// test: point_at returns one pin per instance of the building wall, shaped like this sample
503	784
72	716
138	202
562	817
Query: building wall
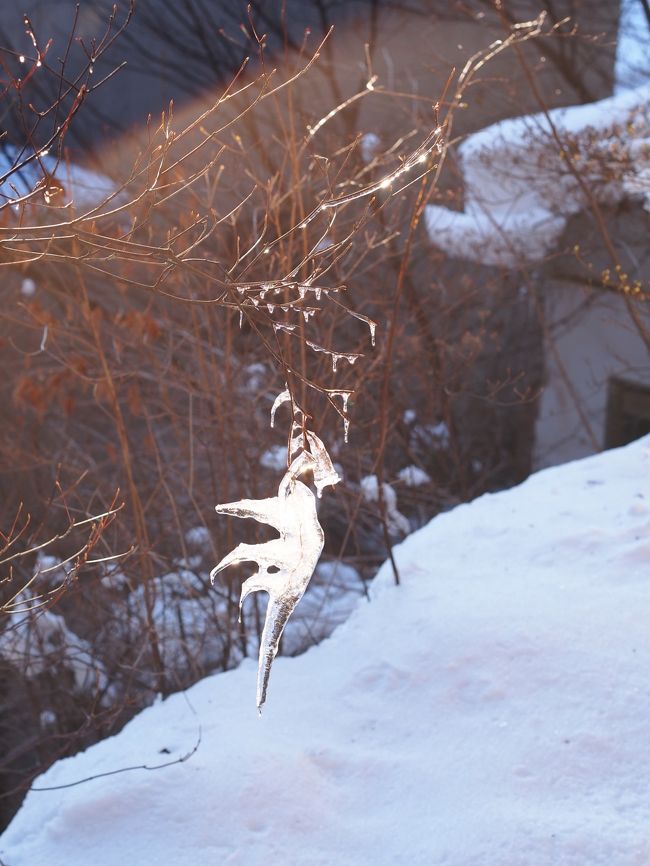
592	337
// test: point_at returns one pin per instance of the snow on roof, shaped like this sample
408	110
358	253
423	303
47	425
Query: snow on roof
518	190
492	709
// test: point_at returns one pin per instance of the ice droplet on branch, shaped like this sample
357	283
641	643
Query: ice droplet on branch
283	397
345	396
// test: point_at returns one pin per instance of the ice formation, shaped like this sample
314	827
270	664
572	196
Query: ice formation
285	564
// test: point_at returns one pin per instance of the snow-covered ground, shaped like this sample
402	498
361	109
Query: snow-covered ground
493	710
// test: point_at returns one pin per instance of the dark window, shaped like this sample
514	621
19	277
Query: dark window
628	412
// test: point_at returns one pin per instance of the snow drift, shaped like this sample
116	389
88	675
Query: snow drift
493	710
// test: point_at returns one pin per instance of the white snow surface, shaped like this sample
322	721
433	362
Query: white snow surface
397	523
493	710
414	476
519	191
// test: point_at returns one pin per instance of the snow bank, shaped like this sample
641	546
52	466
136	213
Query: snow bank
492	710
519	191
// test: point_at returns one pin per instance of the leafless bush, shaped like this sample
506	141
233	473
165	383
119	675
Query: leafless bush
255	246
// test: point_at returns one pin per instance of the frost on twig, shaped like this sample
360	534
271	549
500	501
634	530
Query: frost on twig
285	564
